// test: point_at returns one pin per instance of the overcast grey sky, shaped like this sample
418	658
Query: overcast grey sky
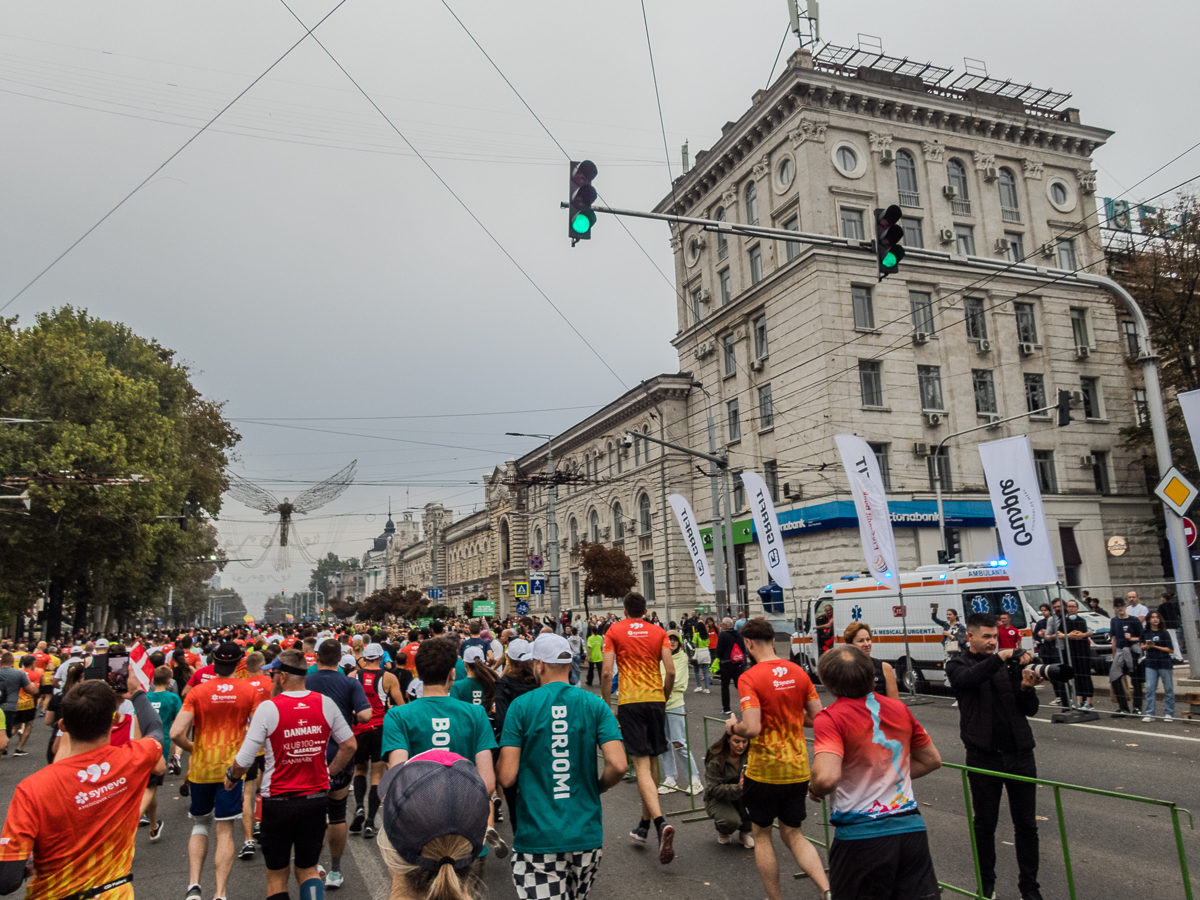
309	266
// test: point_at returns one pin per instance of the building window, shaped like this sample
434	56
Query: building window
929	382
1132	343
1066	255
751	203
1016	246
913	235
1059	194
648	580
726	290
985	391
727	343
1140	412
870	380
594	526
1079	327
1026	324
957	173
697	305
575	601
637	451
734	422
620	461
964	240
1043	464
644	514
649	446
574	531
847	159
1010	210
611	459
766	408
791	249
760	337
975	318
756	270
885	468
739	491
722	242
618	522
538	541
906	179
1035	392
921	304
1090	387
1100	472
864	310
771	477
852	224
939	466
786	171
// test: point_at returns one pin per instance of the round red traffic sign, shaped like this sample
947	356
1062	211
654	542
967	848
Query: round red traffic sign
1189	530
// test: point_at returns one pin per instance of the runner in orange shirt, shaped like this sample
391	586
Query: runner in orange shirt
778	701
221	709
638	646
77	817
253	779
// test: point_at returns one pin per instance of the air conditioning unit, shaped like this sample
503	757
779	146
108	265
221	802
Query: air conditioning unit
705	296
756	365
946	235
993	420
791	491
983	346
950	192
932	419
1086	462
703	349
1049	249
1003	245
1083	352
1076	399
887	156
1026	348
990	173
920	449
920	337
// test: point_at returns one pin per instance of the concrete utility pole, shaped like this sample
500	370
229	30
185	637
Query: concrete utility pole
554	586
721	596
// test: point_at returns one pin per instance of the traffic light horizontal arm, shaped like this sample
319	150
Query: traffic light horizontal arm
993	424
720	461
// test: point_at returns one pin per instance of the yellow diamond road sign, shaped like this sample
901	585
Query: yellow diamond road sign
1176	491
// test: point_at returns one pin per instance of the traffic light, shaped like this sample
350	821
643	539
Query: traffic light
888	235
183	516
580	216
1064	408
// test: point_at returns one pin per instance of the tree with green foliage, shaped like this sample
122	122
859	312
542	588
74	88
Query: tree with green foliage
330	564
124	447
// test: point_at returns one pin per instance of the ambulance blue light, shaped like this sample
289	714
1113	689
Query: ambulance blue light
942	576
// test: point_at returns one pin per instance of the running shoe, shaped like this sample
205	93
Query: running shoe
493	839
724	838
333	881
697	786
747	840
667	786
640	833
256	831
666	844
184	789
360	816
194	893
247	851
369	830
144	820
498	808
20	753
1148	719
697	690
156	832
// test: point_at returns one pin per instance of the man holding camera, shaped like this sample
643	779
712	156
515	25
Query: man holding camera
996	695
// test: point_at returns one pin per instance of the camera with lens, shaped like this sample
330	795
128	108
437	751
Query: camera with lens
1050	671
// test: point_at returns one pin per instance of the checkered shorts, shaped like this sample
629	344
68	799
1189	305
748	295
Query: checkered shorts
551	876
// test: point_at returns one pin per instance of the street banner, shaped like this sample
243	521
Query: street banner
1017	504
766	523
248	619
870	502
692	540
1190	404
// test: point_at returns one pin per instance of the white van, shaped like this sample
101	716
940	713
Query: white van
964	587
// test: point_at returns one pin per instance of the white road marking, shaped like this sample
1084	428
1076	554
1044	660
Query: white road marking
370	863
1171	737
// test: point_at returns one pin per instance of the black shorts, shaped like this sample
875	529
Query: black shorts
46	690
342	779
293	823
768	802
643	728
370	747
256	768
895	865
25	715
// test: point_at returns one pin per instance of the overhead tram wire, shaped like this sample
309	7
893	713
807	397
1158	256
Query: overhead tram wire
460	201
508	412
308	33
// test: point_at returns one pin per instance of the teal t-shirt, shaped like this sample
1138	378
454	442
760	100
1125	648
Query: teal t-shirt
437	722
460	670
167	705
558	728
467	690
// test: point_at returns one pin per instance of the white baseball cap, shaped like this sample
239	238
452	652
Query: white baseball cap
101	644
552	649
520	650
473	655
372	651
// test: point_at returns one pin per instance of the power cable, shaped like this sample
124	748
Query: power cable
308	32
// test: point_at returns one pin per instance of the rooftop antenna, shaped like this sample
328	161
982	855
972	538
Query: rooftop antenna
806	26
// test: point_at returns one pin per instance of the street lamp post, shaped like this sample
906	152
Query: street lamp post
551	523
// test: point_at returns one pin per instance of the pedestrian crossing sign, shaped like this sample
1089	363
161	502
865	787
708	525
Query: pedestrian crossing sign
1176	491
521	589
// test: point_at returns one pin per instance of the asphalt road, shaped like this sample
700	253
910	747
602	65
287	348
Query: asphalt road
1118	848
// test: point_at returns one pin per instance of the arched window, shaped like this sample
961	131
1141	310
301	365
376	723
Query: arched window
722	243
649	446
504	548
751	203
644	514
906	179
538	541
618	522
574	530
637	452
610	459
594	526
620	460
957	174
1008	191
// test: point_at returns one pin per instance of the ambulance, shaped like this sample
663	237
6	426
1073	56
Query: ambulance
964	587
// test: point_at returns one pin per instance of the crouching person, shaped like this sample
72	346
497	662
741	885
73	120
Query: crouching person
724	772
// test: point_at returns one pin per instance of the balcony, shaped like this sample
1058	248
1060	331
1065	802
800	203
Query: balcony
1012	216
960	207
910	198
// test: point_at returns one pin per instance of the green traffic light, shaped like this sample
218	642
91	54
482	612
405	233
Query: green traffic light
583	221
890	261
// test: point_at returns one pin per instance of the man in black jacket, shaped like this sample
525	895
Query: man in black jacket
731	651
995	697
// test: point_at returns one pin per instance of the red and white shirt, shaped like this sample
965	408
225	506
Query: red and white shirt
294	728
372	682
